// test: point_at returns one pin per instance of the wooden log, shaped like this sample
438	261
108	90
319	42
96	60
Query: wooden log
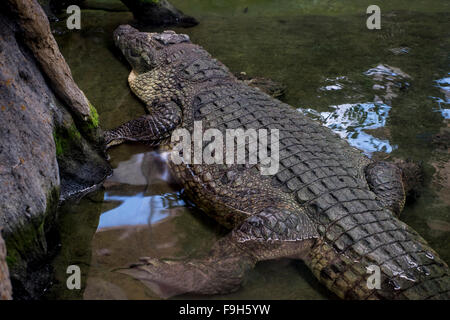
38	37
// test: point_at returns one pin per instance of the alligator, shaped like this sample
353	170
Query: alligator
327	204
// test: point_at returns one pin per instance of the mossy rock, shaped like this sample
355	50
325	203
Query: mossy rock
158	13
106	5
44	155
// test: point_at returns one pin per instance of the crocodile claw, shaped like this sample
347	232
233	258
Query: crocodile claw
164	278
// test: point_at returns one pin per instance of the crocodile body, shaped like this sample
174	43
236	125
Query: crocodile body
327	204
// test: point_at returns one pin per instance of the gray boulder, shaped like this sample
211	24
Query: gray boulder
50	143
5	284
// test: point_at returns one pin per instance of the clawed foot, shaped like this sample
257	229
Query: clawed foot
166	278
110	139
221	271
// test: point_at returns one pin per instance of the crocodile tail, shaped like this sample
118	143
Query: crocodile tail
381	260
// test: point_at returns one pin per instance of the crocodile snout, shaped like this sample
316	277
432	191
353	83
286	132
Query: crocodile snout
125	29
136	47
122	35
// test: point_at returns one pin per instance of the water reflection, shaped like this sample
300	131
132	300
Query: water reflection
138	209
143	188
349	120
332	87
380	71
363	125
443	103
142	169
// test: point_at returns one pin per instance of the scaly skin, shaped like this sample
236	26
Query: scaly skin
328	204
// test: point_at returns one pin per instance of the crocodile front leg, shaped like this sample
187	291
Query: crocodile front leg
392	182
150	129
385	180
261	237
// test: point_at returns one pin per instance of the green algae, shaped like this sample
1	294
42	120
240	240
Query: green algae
65	138
28	241
94	122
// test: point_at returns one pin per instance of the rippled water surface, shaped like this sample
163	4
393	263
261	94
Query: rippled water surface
385	91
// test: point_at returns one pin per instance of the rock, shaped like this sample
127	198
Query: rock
158	13
48	146
5	284
36	33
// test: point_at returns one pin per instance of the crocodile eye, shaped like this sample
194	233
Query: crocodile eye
134	53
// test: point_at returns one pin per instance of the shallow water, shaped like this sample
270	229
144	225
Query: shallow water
387	101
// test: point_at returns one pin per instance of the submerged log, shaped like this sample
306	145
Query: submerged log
50	143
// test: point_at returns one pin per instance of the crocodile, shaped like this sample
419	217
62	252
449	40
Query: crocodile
327	204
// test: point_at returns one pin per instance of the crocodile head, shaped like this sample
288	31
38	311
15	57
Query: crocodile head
142	49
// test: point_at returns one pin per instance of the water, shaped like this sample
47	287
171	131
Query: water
351	120
385	91
444	85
